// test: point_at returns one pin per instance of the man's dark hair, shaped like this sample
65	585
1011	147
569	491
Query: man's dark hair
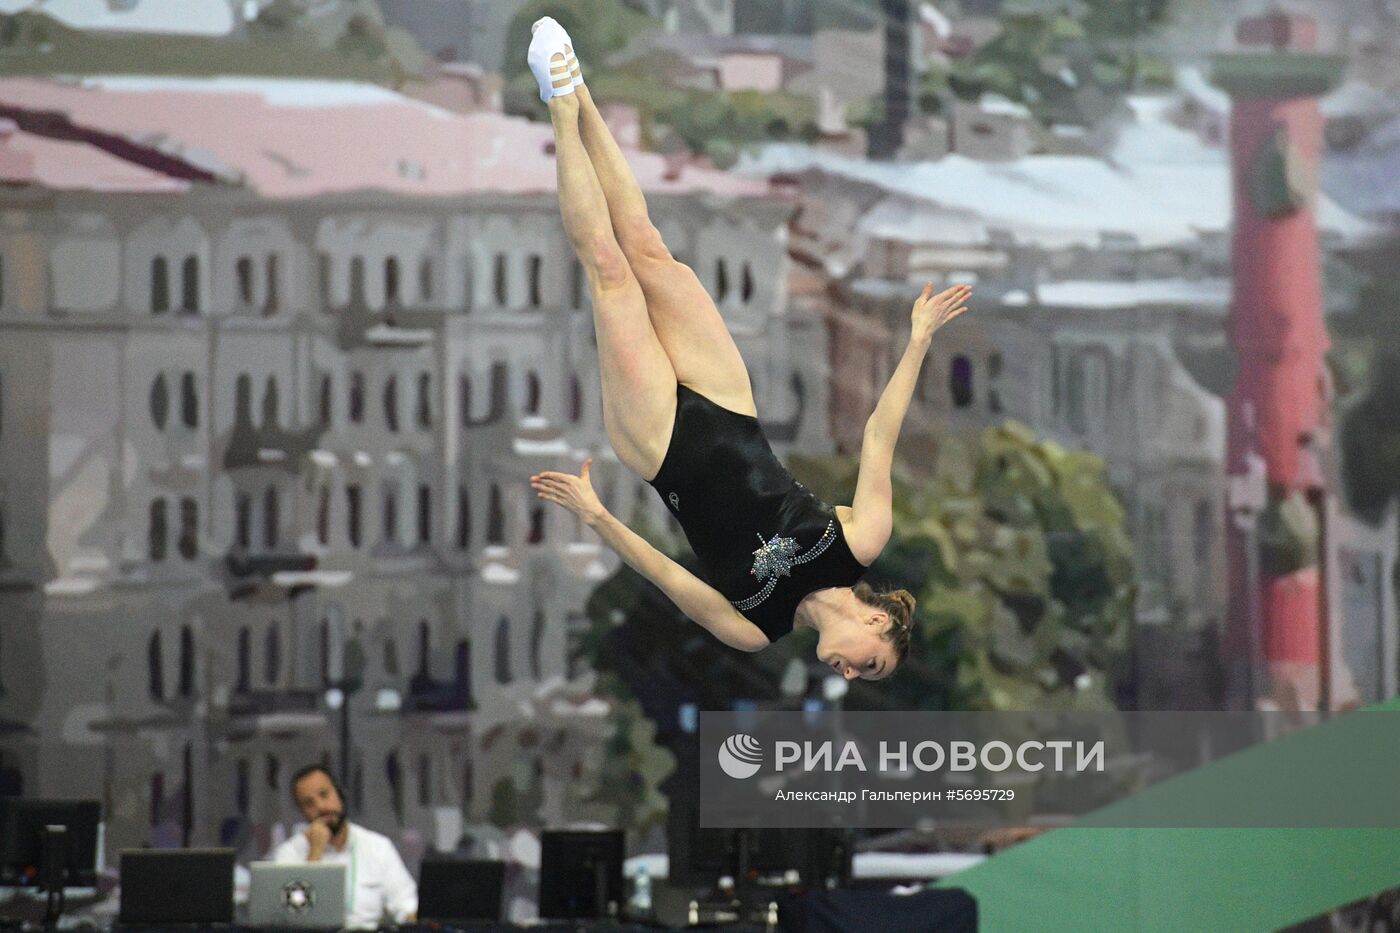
313	769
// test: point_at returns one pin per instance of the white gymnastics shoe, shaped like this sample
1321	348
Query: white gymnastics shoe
547	59
570	54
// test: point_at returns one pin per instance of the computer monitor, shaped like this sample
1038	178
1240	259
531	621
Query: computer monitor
160	886
580	874
699	857
24	827
452	890
696	857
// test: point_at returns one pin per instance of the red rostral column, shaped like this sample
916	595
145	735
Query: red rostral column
1276	328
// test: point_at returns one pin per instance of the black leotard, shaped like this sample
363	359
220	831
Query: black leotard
763	539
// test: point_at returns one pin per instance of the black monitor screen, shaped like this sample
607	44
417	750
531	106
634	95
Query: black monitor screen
22	828
460	889
696	856
580	873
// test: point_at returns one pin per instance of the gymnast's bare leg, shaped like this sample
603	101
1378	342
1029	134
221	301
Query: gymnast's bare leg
639	384
685	319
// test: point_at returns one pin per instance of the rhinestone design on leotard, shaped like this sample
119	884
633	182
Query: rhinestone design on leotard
776	557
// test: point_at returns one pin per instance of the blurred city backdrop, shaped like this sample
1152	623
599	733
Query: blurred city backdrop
288	318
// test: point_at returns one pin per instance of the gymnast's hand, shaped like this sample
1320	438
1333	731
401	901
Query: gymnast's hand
574	493
933	311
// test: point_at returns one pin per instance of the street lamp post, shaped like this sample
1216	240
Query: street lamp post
338	694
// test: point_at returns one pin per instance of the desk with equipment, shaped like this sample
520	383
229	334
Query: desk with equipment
732	879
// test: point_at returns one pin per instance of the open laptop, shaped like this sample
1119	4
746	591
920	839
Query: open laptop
172	886
303	895
456	892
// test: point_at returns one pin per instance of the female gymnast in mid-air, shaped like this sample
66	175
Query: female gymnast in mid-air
679	411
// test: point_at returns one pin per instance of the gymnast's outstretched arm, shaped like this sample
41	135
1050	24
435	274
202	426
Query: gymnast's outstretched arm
872	515
701	602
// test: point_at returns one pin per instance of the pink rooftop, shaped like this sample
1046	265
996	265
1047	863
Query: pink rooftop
297	138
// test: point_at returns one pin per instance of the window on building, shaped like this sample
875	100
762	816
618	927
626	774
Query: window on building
577	281
721	280
425	400
186	683
157	813
391	656
536	525
272	654
326	400
245	660
389	533
425	647
503	672
425	514
3	552
270	402
155	667
532	393
960	381
391	280
1075	409
746	283
157	532
243	520
160	402
391	403
272	773
1202	532
496	518
535	268
499	283
189	401
323	280
575	400
395	778
323	515
189	285
994	367
271	518
464	399
462	669
243	272
243	400
357	397
536	641
464	518
425	775
189	528
353	504
273	300
357	281
160	285
425	281
468	282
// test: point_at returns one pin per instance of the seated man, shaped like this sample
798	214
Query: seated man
376	882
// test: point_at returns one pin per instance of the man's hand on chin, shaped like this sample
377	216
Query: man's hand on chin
318	836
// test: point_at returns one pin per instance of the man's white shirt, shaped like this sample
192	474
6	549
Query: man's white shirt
377	883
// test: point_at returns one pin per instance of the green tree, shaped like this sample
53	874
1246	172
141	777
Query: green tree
634	767
1059	59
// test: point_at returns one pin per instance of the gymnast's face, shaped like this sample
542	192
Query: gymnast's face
857	646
